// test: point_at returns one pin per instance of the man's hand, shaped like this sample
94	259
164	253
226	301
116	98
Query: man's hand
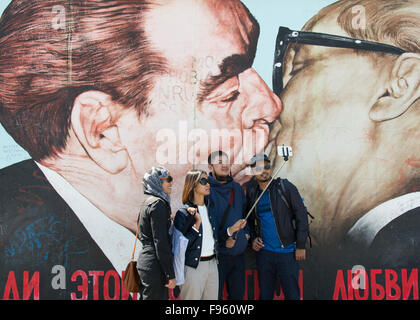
300	254
230	242
171	283
240	224
257	244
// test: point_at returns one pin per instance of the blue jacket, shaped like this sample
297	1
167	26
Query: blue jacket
184	222
219	199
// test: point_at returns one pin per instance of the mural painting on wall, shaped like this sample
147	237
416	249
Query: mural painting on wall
98	92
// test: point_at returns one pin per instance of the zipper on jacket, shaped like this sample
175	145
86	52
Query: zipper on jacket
272	212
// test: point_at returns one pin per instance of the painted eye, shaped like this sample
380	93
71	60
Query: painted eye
225	93
232	97
296	69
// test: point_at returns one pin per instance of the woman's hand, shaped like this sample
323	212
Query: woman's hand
192	210
197	217
171	283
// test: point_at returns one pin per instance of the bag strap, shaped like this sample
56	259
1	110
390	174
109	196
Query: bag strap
283	193
307	212
138	228
227	209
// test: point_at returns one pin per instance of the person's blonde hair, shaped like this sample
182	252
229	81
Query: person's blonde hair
191	180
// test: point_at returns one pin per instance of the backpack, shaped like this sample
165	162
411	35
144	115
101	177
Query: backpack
282	194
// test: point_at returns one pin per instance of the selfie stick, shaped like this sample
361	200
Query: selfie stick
285	157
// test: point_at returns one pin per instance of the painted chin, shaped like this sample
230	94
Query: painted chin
240	172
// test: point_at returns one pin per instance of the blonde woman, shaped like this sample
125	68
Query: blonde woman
193	220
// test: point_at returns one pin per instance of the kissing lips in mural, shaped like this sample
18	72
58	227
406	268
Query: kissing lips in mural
85	102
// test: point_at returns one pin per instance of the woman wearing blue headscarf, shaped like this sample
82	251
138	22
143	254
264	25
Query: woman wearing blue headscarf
155	261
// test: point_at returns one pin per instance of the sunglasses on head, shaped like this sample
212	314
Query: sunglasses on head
203	181
286	36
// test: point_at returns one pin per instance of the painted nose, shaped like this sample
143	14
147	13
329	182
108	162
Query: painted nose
261	103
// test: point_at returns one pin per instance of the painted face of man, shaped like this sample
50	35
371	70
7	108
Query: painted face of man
327	95
210	91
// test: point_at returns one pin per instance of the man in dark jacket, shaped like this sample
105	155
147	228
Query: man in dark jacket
233	233
278	227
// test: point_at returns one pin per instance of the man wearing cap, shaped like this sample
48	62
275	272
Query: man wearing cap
278	227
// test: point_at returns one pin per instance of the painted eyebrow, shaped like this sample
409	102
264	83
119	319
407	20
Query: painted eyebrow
230	66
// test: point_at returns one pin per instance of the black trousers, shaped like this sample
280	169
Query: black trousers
283	266
232	272
152	285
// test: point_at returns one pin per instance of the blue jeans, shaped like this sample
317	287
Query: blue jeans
232	271
283	266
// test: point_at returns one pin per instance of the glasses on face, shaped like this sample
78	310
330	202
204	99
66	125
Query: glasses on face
286	36
203	181
168	179
266	166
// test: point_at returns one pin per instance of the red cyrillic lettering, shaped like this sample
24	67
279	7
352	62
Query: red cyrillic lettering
83	288
391	278
339	287
11	286
96	275
349	284
30	286
114	274
412	283
362	275
378	291
256	285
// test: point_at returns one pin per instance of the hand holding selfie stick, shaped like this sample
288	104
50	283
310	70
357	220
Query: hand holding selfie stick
286	152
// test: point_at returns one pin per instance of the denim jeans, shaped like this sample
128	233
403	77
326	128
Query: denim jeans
232	271
283	266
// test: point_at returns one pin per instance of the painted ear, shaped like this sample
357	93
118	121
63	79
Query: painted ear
403	90
97	131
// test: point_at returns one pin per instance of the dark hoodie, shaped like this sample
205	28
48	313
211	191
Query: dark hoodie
219	199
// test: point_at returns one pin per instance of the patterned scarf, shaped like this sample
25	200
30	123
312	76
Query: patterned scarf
152	183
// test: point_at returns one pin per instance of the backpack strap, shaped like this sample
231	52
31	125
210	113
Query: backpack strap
283	192
222	224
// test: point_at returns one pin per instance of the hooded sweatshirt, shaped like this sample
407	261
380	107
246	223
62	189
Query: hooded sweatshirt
219	199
